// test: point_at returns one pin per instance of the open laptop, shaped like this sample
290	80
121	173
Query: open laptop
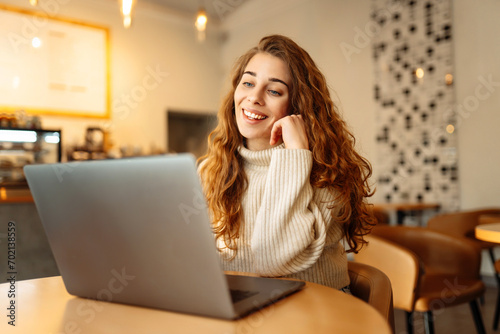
137	231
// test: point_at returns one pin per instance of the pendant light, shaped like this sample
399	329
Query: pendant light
127	9
201	24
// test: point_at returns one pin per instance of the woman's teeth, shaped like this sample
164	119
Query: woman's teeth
251	115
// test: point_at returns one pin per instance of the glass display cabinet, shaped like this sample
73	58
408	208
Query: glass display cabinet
19	147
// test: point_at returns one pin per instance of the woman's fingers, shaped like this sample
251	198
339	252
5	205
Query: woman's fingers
293	131
275	133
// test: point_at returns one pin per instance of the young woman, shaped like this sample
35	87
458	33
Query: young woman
283	181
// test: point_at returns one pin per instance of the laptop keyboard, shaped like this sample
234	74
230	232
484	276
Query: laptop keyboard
238	295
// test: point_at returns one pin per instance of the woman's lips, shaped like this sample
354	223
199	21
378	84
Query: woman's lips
253	116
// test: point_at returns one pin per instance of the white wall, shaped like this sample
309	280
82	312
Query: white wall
162	41
477	55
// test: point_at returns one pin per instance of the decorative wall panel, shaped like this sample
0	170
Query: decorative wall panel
416	140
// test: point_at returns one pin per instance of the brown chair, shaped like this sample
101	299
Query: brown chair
374	287
428	270
463	224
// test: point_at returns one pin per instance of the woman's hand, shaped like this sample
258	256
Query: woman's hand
293	131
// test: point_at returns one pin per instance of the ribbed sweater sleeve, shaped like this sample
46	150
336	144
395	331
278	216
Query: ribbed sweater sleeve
289	230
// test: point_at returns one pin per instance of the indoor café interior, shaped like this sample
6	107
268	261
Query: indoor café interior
340	155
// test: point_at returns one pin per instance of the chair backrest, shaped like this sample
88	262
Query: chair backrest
399	264
438	253
460	224
374	287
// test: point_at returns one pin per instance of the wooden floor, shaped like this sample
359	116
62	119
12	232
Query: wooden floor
454	320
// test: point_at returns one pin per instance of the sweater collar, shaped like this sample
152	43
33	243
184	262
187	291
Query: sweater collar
259	158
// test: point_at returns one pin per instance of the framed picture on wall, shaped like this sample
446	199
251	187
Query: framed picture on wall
53	66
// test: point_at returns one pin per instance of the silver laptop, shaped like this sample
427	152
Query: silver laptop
137	231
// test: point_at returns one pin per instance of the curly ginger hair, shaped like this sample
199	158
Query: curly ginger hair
336	164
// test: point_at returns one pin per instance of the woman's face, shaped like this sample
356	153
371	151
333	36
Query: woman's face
261	98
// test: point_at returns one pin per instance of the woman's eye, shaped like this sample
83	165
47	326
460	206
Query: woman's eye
247	84
275	93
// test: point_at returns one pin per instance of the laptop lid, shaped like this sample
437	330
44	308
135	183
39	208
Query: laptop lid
137	231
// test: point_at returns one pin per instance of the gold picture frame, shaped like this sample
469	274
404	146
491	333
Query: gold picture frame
53	66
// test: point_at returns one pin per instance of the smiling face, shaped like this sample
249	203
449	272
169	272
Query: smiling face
261	98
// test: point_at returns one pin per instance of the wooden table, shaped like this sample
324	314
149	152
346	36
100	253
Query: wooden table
488	228
44	306
408	208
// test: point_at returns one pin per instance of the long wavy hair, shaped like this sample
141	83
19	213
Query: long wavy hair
336	164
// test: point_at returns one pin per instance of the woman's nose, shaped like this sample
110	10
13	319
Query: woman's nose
256	97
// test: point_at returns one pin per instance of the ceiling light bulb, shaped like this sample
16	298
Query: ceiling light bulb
201	20
126	9
127	21
33	2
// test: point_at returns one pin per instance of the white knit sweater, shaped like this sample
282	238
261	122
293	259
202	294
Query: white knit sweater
287	228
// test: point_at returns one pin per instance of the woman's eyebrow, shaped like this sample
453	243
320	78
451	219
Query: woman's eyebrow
270	79
278	80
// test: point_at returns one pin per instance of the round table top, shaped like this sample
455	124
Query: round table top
44	306
488	232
